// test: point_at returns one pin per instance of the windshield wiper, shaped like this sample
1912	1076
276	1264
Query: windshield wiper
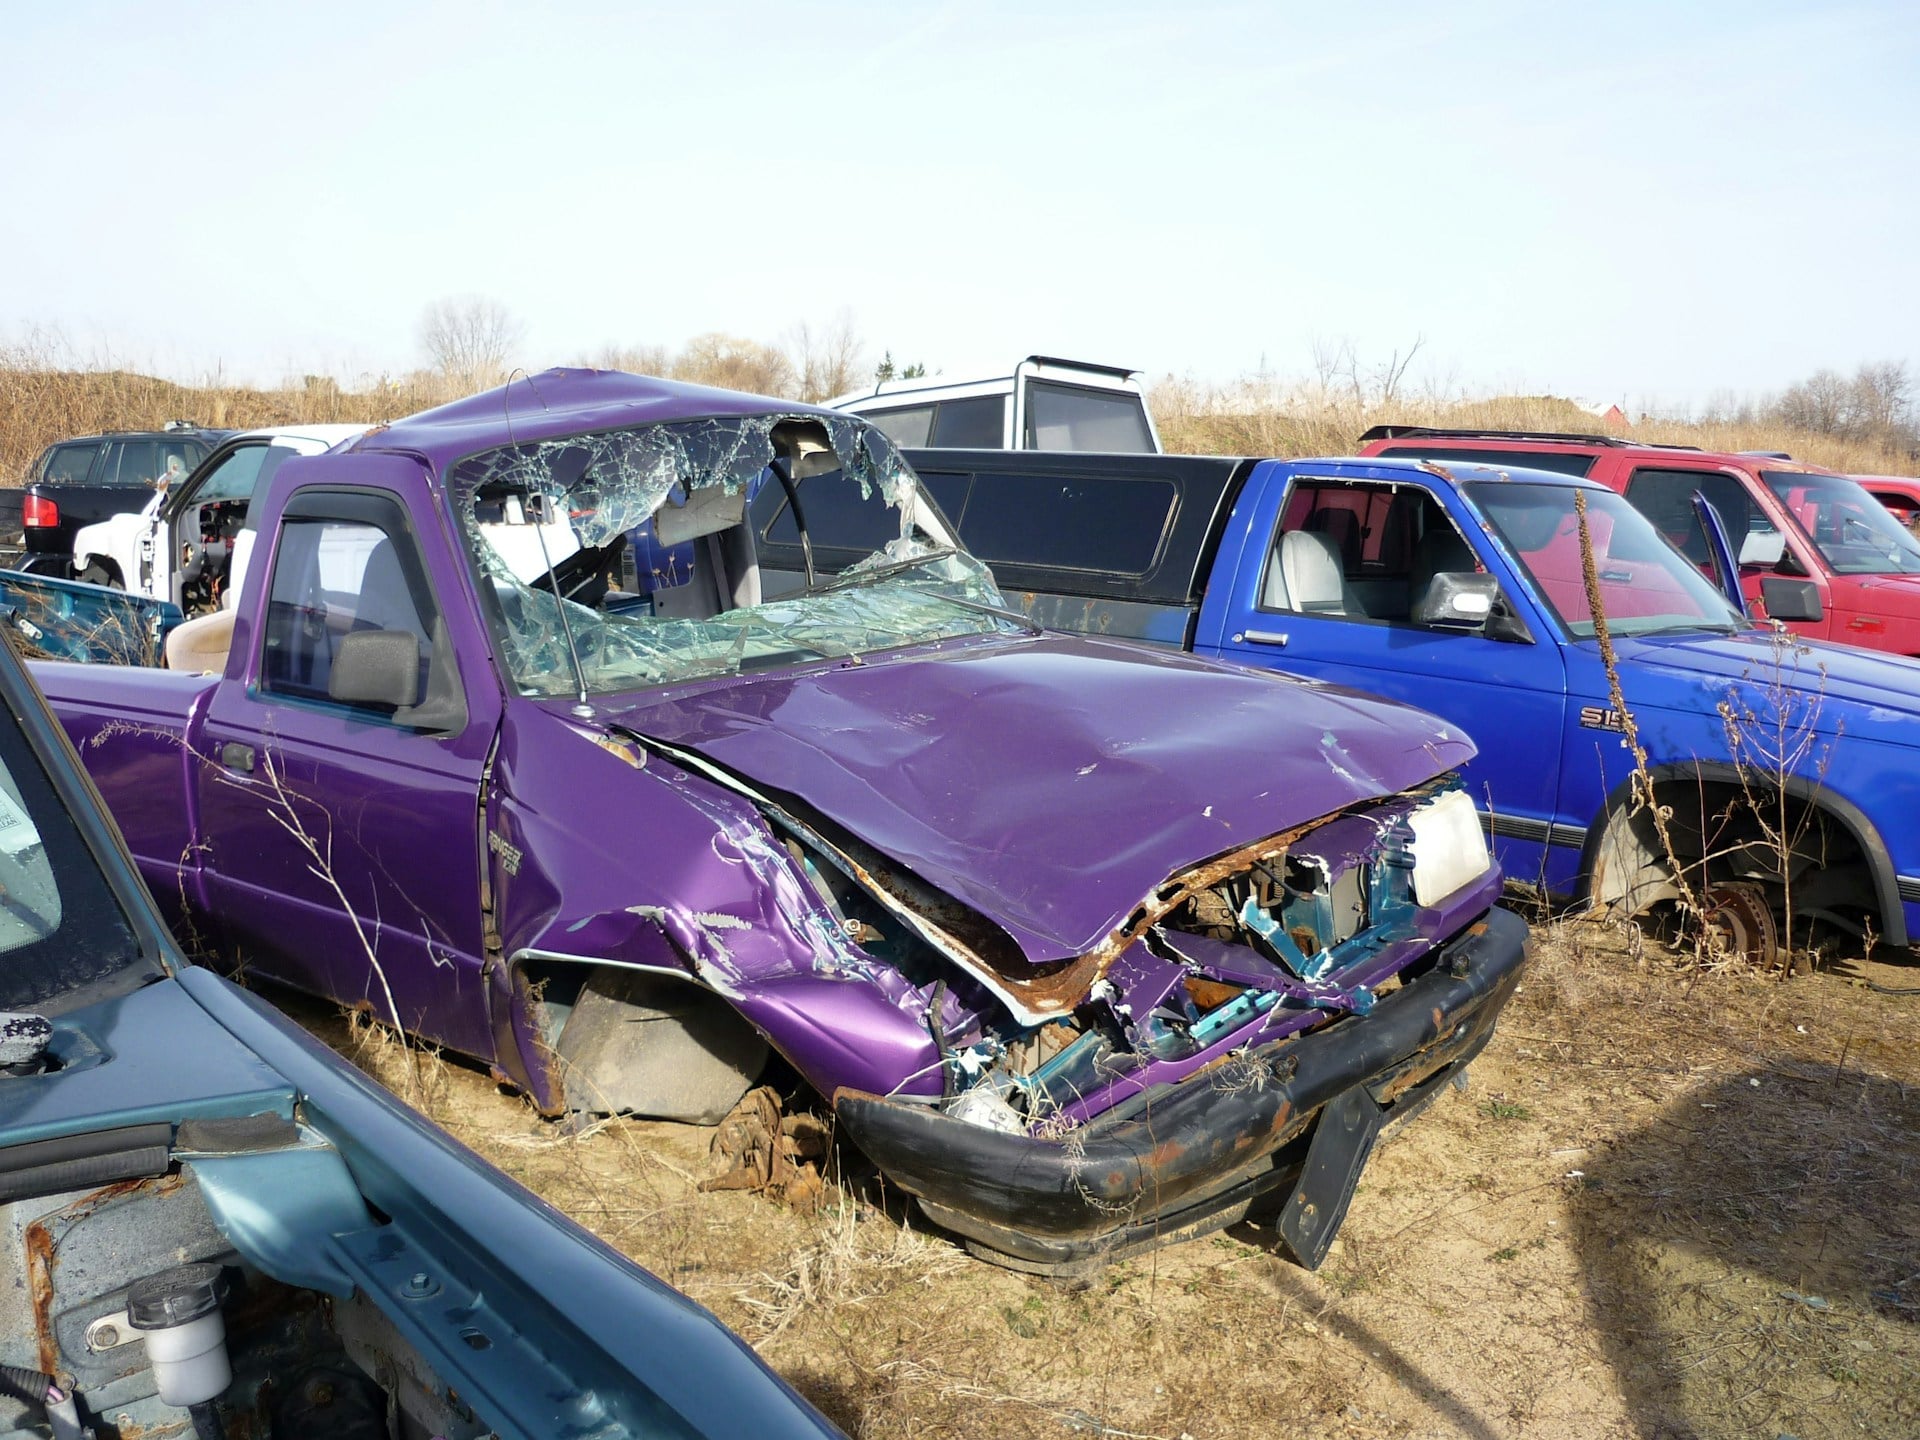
1026	622
877	572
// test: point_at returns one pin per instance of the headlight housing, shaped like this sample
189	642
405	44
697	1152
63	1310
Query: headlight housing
1449	847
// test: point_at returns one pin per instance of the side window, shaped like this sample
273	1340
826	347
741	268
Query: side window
70	464
234	477
1062	522
1070	417
1360	552
337	578
140	462
975	424
1666	498
908	425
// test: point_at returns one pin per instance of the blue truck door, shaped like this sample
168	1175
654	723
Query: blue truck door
1320	573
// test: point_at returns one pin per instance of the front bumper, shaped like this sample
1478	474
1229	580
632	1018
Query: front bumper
1203	1153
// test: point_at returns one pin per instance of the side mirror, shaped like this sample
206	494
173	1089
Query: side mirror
376	667
1790	599
1457	599
1464	600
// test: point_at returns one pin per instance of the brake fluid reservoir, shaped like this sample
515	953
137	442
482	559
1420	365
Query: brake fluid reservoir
178	1314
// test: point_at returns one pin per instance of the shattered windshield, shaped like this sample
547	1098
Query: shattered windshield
625	559
1646	586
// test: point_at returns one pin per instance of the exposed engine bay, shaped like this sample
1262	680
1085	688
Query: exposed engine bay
125	1313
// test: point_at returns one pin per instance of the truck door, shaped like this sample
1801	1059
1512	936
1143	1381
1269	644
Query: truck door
342	829
1761	545
1328	576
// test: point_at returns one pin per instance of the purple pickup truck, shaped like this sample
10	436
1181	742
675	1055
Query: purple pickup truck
1088	946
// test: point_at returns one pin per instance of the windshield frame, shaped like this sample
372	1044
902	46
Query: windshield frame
104	901
1775	482
1608	499
925	537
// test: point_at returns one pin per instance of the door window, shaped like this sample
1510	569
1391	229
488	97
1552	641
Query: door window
233	475
1666	498
1360	552
141	462
332	579
976	424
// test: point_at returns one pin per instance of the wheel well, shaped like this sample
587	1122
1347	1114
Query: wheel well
1725	826
105	562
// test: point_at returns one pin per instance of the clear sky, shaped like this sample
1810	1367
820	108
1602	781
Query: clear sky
1629	201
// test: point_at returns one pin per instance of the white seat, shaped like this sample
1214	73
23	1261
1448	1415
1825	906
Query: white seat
1315	580
201	644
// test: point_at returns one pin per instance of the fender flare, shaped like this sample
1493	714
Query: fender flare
1879	861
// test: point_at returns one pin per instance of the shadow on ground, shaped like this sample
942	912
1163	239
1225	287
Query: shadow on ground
1752	1257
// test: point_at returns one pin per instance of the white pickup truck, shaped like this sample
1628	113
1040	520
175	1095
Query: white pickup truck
190	543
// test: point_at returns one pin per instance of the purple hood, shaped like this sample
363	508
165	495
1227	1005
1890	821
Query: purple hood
1053	783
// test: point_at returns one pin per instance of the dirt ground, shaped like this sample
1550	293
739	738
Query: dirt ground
1668	1205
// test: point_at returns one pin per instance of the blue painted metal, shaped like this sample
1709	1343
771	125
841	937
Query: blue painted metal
69	620
1543	777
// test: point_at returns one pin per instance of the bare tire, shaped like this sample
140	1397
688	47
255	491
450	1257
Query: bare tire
98	574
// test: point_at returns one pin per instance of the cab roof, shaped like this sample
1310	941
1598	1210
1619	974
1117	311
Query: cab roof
561	402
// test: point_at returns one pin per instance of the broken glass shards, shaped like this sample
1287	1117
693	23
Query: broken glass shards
547	523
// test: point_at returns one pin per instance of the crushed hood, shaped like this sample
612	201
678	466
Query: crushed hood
1053	783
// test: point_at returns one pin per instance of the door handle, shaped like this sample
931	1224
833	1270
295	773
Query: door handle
237	755
1263	637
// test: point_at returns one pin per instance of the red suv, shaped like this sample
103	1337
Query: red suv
1815	549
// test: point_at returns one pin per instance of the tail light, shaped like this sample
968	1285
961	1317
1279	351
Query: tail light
39	513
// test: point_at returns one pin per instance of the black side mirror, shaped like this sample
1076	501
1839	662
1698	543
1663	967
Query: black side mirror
376	667
1790	599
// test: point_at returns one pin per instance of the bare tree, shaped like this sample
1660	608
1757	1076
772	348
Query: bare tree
1875	404
825	362
470	339
735	364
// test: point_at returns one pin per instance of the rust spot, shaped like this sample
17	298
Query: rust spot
1210	994
1479	927
1165	1154
1282	1118
1439	1020
40	1263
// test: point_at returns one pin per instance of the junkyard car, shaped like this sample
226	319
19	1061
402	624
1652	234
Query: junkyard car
189	545
1077	939
211	1225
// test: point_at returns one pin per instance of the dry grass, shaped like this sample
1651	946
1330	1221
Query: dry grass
1261	417
47	395
1672	1205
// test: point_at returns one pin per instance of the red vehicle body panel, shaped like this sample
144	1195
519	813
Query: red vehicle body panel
1878	612
1899	493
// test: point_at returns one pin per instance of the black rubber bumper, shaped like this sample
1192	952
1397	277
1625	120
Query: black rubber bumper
1198	1154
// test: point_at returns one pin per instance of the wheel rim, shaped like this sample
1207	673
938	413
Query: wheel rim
1737	913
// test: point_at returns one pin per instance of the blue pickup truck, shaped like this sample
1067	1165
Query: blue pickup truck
1783	767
